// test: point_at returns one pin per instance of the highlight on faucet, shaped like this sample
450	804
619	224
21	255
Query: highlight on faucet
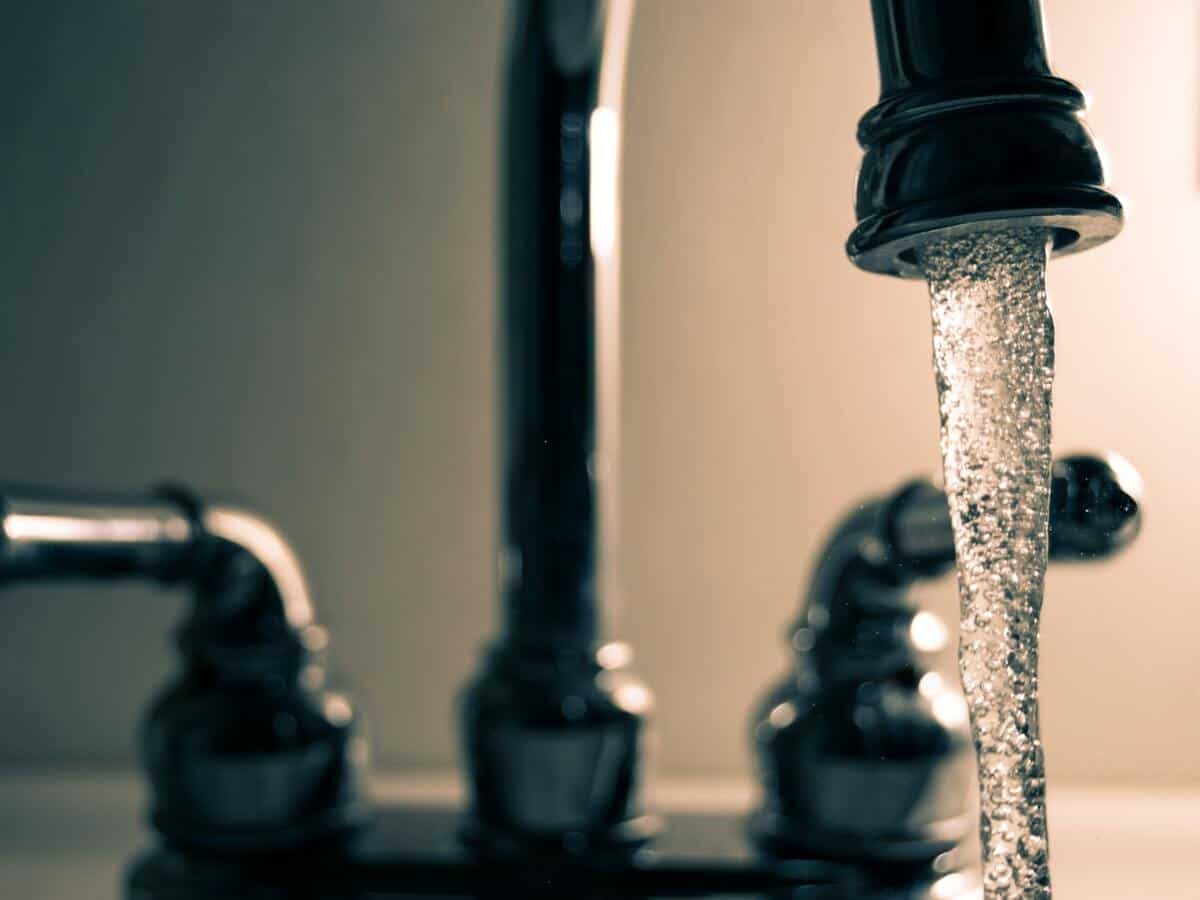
599	449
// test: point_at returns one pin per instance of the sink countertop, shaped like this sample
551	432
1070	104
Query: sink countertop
69	834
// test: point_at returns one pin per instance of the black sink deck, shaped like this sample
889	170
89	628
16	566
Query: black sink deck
415	851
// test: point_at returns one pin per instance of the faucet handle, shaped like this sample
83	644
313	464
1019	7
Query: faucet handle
1095	507
864	755
252	747
1095	511
48	533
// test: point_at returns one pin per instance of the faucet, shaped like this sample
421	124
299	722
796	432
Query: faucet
250	749
971	131
554	724
256	762
863	753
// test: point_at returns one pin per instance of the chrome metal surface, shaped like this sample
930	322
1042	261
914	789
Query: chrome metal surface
559	315
46	534
554	724
863	752
262	542
972	131
54	534
1095	511
556	751
252	746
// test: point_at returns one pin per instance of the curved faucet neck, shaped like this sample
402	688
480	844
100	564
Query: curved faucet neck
252	604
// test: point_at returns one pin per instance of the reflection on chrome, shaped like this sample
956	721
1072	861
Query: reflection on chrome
927	632
93	526
50	534
267	546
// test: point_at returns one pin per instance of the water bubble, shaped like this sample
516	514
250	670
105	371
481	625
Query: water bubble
998	877
1032	847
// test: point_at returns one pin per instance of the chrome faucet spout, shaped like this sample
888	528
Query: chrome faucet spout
551	672
559	315
972	131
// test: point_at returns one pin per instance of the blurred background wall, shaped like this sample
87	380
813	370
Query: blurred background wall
251	246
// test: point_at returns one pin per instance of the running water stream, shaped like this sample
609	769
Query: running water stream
993	343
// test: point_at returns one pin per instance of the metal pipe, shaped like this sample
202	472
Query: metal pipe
45	534
52	534
553	724
253	535
559	315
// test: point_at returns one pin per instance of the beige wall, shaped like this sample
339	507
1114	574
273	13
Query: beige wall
251	246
